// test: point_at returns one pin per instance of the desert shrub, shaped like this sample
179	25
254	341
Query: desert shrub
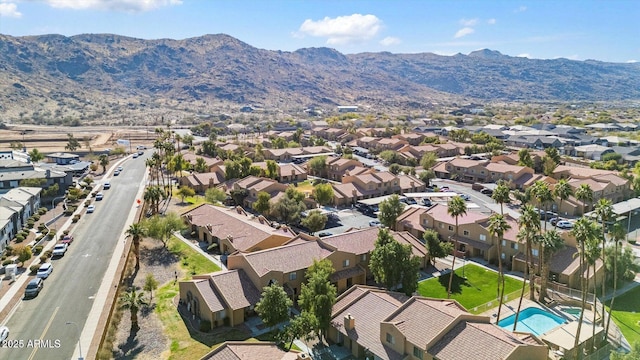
76	217
36	217
33	269
41	227
30	224
24	233
7	262
87	203
52	233
38	249
19	238
40	237
66	232
48	253
42	211
43	258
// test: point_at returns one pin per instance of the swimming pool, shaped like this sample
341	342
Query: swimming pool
532	320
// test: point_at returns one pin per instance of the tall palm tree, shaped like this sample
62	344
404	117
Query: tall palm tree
543	196
136	232
498	226
618	233
501	194
562	191
133	301
551	243
591	256
525	235
604	212
152	196
530	220
584	231
457	207
584	194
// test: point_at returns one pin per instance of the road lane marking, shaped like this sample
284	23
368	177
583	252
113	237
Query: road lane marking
46	328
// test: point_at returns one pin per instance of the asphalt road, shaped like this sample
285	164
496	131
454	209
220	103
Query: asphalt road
68	293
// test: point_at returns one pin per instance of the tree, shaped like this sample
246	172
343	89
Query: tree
33	182
393	264
272	169
457	207
161	227
186	191
315	221
301	326
150	284
262	204
188	140
104	161
395	169
548	165
136	232
618	233
561	191
501	195
390	209
498	226
274	304
318	295
435	247
288	210
529	224
72	143
36	156
152	196
215	195
133	301
585	233
553	154
604	212
294	194
24	253
584	194
428	160
426	176
318	165
551	243
200	165
323	193
389	156
524	158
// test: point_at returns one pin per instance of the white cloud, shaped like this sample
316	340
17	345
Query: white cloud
464	32
390	40
491	21
468	22
525	55
343	29
116	5
632	61
520	9
9	10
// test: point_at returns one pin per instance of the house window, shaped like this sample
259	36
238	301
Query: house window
450	228
514	246
465	233
504	242
503	256
534	252
363	257
390	339
292	276
345	263
482	172
425	221
418	353
483	237
441	225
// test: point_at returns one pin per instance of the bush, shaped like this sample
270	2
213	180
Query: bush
19	238
8	251
36	217
24	233
87	203
66	232
42	211
48	253
30	224
43	258
52	233
76	217
41	227
33	269
40	237
632	242
38	249
205	325
7	262
93	194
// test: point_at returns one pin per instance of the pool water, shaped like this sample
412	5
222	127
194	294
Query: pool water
573	311
532	320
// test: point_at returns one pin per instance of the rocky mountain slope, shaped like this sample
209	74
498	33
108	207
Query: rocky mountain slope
57	74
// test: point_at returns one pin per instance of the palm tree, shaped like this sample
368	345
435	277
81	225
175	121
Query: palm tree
525	235
152	196
498	226
551	243
530	220
584	231
457	206
562	191
104	161
136	231
584	194
501	195
133	301
618	233
604	212
544	196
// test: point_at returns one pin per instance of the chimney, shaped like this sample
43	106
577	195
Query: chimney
349	322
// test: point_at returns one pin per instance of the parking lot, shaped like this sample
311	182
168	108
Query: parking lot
348	218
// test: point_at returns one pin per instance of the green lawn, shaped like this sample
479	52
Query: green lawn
626	314
478	288
190	260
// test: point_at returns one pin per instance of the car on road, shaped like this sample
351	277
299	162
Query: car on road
91	208
106	186
59	250
486	191
4	333
375	223
465	197
120	168
564	224
33	287
135	155
44	270
324	234
99	196
67	239
116	173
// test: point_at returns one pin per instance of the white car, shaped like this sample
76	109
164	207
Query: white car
120	168
106	185
375	223
99	196
91	208
4	333
45	270
59	250
564	224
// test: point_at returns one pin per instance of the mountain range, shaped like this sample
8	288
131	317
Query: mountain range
53	71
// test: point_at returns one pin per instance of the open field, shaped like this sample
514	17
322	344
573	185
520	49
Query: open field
478	288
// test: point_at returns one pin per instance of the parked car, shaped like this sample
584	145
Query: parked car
45	270
59	250
465	197
116	173
411	201
99	196
324	234
135	155
426	202
375	223
486	191
33	287
91	208
564	224
120	168
106	186
444	189
67	239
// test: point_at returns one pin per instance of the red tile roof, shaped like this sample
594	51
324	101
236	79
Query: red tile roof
287	258
243	350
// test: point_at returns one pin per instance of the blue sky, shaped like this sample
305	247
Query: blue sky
573	29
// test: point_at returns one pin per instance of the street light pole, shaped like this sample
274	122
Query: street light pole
54	209
79	333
